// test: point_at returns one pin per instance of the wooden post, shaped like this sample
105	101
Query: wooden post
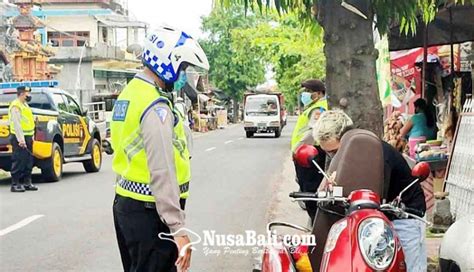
451	41
199	113
425	60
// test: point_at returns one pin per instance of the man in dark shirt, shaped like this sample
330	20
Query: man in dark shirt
398	177
329	130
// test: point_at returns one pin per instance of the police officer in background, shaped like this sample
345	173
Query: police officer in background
151	156
22	128
314	101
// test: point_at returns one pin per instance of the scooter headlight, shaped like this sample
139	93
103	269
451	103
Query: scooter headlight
376	243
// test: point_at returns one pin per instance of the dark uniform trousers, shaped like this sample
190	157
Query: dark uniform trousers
137	225
22	160
309	180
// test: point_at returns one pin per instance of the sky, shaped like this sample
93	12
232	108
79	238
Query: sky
182	14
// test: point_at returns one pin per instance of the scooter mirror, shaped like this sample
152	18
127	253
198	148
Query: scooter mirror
304	155
421	171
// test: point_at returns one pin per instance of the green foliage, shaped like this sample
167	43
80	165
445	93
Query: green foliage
406	12
233	73
294	53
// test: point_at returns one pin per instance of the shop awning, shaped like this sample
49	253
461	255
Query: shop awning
203	98
220	95
458	18
119	21
190	92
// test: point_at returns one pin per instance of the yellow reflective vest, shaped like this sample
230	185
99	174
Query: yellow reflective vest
27	121
303	120
130	160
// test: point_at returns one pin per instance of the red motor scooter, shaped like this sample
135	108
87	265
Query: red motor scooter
363	240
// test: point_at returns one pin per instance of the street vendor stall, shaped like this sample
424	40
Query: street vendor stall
435	65
445	100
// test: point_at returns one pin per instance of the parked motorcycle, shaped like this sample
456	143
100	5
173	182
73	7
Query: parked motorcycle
363	240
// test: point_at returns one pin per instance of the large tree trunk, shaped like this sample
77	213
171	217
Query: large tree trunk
350	82
350	65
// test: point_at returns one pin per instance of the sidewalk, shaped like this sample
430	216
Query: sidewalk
197	134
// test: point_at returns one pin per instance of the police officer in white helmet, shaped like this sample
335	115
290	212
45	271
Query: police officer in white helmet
151	156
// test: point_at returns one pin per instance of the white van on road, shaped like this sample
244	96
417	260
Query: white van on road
263	113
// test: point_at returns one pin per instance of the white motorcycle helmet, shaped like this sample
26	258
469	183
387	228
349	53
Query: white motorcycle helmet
165	51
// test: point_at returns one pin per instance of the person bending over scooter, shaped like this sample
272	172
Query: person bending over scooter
331	126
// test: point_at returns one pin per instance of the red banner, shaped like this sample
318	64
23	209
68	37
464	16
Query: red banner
403	63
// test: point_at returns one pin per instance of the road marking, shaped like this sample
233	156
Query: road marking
228	142
210	149
20	224
241	138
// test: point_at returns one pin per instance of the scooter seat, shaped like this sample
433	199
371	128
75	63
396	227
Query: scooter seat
359	164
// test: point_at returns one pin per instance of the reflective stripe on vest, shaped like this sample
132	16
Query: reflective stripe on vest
27	121
130	161
301	126
144	189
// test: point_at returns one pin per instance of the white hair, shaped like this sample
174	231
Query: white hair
331	125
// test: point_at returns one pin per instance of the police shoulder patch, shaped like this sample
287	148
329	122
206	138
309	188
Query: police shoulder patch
162	113
120	110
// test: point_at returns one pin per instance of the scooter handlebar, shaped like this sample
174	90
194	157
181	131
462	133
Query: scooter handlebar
313	197
302	195
401	213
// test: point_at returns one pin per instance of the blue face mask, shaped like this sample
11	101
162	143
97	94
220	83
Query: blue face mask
306	98
181	82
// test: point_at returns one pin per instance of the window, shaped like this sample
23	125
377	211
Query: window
109	103
40	101
69	39
67	43
59	102
7	98
261	106
54	43
104	35
73	106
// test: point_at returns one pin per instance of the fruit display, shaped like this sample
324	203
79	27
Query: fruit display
431	151
392	128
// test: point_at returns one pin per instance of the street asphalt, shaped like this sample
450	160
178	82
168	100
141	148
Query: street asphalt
67	225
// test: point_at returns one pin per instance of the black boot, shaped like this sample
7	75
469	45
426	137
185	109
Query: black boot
29	186
17	187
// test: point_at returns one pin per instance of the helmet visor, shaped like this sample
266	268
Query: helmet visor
193	74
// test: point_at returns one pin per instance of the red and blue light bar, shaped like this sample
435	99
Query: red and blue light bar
32	84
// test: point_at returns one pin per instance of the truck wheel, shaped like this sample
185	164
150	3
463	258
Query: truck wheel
277	133
249	134
93	165
54	168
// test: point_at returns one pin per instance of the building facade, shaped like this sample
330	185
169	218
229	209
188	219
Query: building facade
89	39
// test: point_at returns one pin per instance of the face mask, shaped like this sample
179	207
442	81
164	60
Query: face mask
181	82
28	98
306	98
331	154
